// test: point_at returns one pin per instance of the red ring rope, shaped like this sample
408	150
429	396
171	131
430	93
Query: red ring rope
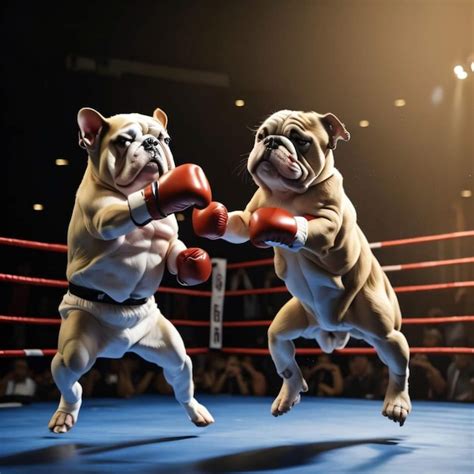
239	324
51	352
388	243
64	284
250	351
352	351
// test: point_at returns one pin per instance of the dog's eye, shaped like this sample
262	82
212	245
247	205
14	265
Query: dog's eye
167	140
123	141
260	137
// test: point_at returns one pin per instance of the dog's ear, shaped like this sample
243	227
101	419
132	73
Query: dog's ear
91	123
160	115
335	128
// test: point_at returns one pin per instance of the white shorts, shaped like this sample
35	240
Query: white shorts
124	326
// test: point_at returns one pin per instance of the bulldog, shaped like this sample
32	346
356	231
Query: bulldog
121	237
338	287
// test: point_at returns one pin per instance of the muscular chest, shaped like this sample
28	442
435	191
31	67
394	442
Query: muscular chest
152	239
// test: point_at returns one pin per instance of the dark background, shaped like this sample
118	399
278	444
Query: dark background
404	173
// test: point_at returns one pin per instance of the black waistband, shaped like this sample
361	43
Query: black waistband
100	297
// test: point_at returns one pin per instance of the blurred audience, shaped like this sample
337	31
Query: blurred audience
239	377
324	379
427	380
361	381
18	385
460	383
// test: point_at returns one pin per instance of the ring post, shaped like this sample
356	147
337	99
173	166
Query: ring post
219	269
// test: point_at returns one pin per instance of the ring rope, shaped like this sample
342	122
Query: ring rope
386	268
398	289
253	291
31	244
5	319
52	352
61	248
250	351
64	284
352	351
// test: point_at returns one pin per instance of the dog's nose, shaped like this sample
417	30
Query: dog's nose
271	143
149	143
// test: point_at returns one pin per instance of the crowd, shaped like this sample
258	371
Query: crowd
359	376
432	377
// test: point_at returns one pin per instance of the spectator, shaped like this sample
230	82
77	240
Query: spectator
17	385
460	384
258	383
208	368
232	380
361	382
45	387
325	378
426	371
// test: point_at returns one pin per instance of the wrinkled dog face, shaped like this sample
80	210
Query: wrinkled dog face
127	151
291	150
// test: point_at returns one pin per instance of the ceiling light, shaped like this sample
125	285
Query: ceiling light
399	103
472	66
239	103
364	123
61	162
466	193
462	75
38	207
458	69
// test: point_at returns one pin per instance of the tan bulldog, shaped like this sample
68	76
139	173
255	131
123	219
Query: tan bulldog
122	236
338	287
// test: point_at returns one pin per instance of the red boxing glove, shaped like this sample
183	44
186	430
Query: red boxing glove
194	266
210	222
175	191
272	226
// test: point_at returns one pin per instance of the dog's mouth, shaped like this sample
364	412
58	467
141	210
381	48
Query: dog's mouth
145	165
286	165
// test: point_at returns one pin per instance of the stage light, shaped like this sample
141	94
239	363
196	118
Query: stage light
61	162
38	207
364	123
239	103
399	103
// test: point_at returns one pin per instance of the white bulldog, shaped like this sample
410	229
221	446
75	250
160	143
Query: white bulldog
338	287
121	236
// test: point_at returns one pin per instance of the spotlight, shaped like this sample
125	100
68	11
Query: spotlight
364	123
38	207
239	103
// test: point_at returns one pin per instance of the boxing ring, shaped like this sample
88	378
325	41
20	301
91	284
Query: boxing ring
150	434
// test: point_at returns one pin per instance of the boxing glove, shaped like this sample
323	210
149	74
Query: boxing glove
275	227
210	222
194	266
178	189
